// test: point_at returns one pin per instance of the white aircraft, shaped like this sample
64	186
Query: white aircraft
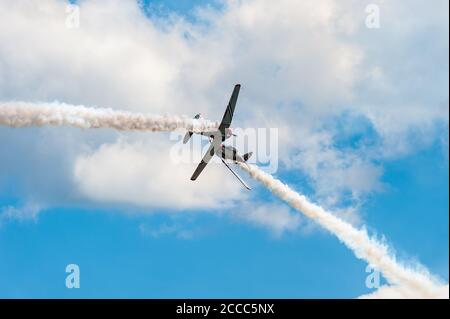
217	137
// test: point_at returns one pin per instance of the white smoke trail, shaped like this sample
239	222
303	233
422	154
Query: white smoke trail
418	281
20	114
413	283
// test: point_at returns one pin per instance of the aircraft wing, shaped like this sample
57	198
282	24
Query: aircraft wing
235	174
228	116
205	160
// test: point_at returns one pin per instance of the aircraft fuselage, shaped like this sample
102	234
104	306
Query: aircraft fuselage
217	137
229	153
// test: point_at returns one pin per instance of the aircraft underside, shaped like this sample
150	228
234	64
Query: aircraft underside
217	137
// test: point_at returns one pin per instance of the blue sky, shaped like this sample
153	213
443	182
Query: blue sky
229	259
131	248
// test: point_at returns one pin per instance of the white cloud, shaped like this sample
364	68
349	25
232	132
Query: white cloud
29	211
300	63
145	174
333	170
275	217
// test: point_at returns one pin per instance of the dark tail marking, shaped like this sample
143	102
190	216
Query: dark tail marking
247	156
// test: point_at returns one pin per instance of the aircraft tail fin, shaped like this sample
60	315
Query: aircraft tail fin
247	156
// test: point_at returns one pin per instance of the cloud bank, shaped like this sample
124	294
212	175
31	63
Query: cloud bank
318	63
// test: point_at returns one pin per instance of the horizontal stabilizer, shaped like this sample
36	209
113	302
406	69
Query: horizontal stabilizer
247	156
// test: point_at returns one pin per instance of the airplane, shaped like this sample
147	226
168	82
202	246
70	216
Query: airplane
224	152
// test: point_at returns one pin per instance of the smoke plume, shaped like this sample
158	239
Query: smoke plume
20	114
414	282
